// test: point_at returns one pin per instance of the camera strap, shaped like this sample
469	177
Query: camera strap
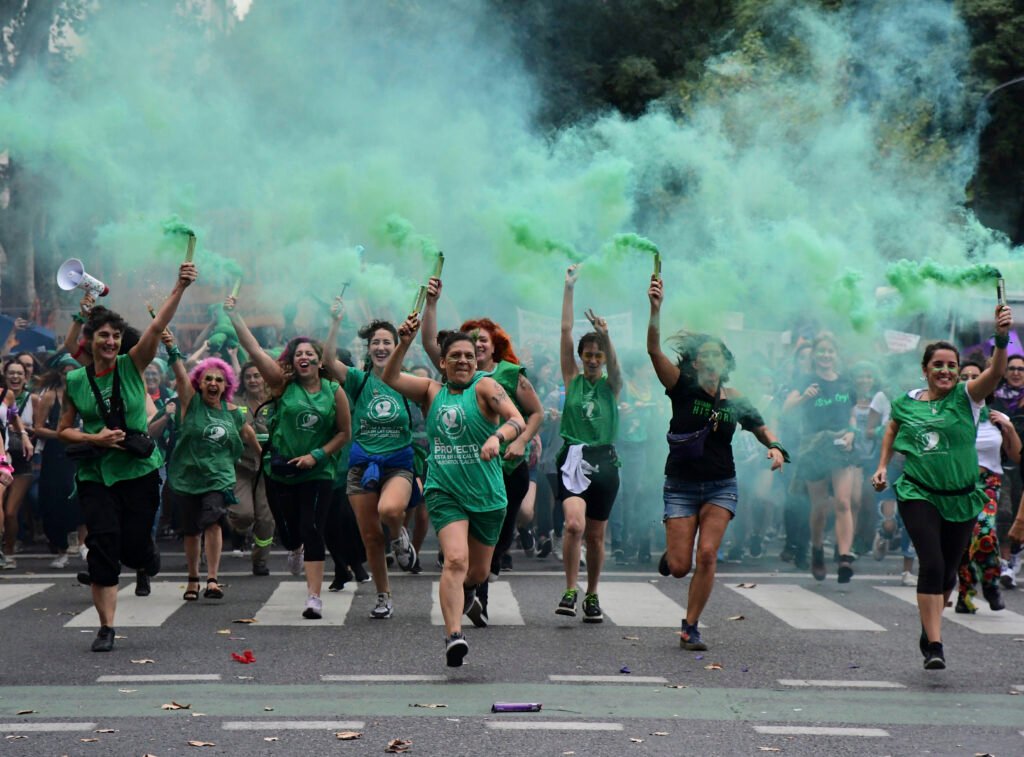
116	409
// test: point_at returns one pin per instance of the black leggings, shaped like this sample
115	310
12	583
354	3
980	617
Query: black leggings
342	533
300	512
940	544
517	484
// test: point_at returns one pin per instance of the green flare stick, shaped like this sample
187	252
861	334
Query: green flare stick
439	265
191	247
152	313
657	265
236	288
1001	291
421	298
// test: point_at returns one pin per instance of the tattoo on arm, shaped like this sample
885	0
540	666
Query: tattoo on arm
499	397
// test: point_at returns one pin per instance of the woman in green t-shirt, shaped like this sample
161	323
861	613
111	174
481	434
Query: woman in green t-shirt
201	472
119	491
469	418
310	426
588	466
938	495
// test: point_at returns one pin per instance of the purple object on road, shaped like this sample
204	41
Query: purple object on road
516	707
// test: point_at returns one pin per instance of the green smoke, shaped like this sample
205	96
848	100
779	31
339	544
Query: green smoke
526	235
911	278
400	233
635	242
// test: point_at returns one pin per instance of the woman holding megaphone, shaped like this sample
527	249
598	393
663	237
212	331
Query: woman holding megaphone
117	478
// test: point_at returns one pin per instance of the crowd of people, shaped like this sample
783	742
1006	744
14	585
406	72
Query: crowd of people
255	436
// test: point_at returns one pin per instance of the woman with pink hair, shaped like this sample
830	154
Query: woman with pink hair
201	472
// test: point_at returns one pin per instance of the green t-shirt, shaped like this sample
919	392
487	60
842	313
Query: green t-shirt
457	430
114	465
209	443
938	439
591	413
380	420
507	375
303	422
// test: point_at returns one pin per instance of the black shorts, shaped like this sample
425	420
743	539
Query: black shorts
604	483
22	465
200	511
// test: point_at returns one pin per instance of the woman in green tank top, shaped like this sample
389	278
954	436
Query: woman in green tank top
310	426
469	417
201	472
588	466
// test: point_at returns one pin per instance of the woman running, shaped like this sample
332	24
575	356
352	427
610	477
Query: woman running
310	426
118	482
380	464
16	403
496	357
700	474
201	472
938	493
469	418
587	463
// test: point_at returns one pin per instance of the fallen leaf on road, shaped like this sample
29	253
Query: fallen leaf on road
67	612
1014	693
348	735
88	741
15	737
631	638
118	636
769	749
660	733
144	661
636	741
713	666
245	678
566	754
39	609
745	586
428	706
236	638
398	745
105	730
175	706
268	709
736	617
1018	639
127	691
245	620
270	738
245	657
675	686
224	631
201	743
25	712
198	714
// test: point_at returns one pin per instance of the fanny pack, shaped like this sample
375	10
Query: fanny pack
690	446
280	466
940	492
138	444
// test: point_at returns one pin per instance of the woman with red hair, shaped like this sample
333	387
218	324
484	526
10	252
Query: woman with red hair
496	358
201	472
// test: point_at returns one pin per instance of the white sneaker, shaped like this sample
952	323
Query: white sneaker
880	546
908	579
1007	577
295	561
314	608
402	549
10	563
556	546
83	552
60	561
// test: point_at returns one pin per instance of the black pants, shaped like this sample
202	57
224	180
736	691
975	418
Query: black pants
300	512
940	544
342	533
120	523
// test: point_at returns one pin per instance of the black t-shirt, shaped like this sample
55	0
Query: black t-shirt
830	410
691	407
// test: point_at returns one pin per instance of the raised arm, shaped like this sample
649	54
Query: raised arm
566	353
612	364
413	388
181	380
429	335
77	321
494	401
664	368
337	369
989	379
269	368
142	354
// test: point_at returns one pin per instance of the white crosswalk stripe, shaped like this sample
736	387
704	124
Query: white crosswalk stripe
502	607
800	608
639	604
12	593
151	611
984	621
284	608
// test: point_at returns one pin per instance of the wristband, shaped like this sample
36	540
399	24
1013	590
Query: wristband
1001	340
780	448
499	437
78	318
173	355
318	454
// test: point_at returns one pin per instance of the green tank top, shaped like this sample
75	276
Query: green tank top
209	442
507	375
938	439
457	430
591	413
380	421
114	465
303	422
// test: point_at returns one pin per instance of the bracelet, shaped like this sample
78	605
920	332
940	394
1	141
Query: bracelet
78	318
318	454
499	437
173	355
1002	341
780	448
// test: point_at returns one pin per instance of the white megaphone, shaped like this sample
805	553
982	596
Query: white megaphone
72	275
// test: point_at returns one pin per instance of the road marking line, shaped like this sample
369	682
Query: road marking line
17	592
632	603
985	621
284	608
817	730
502	607
1017	687
551	725
838	684
155	678
163	601
800	608
291	725
607	679
42	727
381	678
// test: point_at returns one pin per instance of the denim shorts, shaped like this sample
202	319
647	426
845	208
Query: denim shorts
683	499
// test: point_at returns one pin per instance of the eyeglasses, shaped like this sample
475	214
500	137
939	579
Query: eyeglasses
1015	369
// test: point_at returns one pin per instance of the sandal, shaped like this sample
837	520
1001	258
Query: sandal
191	595
214	592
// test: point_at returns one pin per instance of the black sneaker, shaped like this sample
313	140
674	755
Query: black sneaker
104	641
567	605
142	588
922	642
787	554
473	608
845	570
455	649
527	541
361	575
416	567
592	609
543	546
934	659
756	545
663	568
341	578
84	578
154	565
994	597
506	561
800	561
260	569
818	569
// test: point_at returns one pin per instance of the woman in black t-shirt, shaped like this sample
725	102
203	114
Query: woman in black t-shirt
826	402
700	484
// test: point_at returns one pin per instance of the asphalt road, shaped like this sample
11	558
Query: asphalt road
787	657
